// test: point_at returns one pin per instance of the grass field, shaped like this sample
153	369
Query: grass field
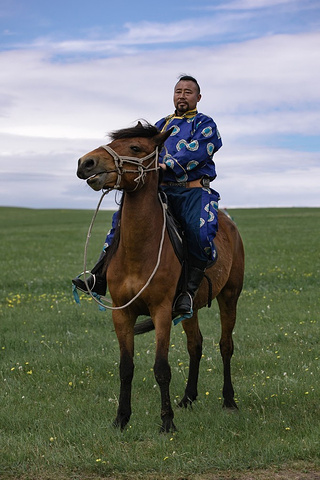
59	361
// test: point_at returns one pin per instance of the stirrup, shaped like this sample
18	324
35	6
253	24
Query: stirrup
94	294
178	317
181	317
75	288
85	289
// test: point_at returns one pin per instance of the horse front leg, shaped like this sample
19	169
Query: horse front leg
124	331
194	345
162	373
227	301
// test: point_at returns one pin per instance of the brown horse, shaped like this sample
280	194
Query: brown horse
130	163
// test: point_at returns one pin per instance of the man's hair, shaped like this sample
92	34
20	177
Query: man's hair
189	78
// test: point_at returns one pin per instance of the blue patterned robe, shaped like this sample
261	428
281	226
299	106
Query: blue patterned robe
188	155
189	150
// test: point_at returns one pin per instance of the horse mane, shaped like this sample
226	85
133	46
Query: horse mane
145	129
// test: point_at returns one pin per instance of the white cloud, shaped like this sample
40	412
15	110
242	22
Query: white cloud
91	97
53	112
254	4
184	31
294	189
47	179
251	177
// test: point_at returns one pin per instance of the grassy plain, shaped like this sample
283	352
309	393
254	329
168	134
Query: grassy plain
59	361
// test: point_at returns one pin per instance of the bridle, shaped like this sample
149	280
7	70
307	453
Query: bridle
141	170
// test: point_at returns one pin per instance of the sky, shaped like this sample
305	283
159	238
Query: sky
72	71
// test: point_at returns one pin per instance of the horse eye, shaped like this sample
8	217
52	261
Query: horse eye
135	149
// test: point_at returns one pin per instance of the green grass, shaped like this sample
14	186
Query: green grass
59	361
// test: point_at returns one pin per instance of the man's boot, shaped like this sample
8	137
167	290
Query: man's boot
183	305
97	281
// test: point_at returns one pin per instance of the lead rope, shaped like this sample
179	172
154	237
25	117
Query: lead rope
153	272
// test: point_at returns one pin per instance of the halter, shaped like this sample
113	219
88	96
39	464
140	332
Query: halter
142	170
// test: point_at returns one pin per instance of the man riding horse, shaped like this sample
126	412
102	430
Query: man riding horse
188	168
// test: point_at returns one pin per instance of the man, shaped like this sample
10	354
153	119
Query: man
188	167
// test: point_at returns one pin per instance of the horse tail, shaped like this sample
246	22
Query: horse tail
144	326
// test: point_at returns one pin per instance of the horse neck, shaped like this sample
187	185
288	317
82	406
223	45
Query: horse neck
141	217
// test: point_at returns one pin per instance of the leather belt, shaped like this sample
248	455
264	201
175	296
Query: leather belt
201	182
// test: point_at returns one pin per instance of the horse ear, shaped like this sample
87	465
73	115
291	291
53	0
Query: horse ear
162	136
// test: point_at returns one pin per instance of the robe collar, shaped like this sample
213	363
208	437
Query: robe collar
188	114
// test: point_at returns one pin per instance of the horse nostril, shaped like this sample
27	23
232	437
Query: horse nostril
88	164
85	166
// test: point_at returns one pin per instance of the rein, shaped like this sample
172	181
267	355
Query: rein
119	160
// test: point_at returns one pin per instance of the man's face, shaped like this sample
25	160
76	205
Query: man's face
185	96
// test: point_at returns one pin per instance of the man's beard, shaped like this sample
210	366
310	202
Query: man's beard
182	107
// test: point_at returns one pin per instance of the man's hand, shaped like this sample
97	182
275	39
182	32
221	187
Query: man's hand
163	166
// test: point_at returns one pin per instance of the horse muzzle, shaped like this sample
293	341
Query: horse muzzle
89	169
97	181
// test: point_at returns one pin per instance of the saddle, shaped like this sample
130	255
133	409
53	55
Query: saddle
176	236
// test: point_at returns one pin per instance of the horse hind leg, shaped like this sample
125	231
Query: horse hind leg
194	345
227	301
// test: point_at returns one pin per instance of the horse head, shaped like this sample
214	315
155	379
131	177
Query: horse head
123	163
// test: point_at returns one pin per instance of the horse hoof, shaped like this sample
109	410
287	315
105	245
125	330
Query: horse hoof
186	402
116	424
230	405
168	427
120	423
